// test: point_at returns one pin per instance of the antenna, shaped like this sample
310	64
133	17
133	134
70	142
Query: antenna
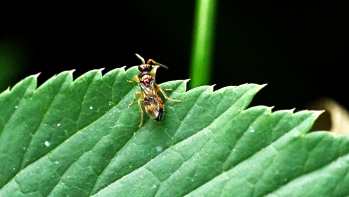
141	58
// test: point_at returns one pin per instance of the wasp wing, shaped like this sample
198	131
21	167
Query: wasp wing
153	107
152	102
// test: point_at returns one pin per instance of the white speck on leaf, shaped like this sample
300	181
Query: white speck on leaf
56	162
159	148
16	107
58	124
47	143
91	107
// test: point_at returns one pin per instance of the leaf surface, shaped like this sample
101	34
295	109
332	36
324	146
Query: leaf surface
80	138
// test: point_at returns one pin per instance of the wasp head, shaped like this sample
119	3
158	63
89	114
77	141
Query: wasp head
144	68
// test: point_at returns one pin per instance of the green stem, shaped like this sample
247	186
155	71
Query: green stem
202	42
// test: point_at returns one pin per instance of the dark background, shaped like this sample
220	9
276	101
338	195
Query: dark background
299	50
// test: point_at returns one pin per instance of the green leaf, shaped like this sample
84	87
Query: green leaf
80	138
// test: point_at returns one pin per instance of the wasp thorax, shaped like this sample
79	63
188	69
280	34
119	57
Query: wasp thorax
146	79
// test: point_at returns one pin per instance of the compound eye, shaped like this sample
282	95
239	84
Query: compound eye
144	67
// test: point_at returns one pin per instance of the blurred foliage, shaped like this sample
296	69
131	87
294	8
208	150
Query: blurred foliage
13	57
202	46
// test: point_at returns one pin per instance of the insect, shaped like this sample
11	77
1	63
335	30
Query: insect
149	90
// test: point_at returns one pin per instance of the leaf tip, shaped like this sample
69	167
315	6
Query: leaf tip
185	82
35	76
270	108
291	110
262	86
7	90
71	71
122	69
317	113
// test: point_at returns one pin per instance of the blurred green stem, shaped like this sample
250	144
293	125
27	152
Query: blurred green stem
202	42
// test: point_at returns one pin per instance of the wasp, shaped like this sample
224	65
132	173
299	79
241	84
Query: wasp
149	90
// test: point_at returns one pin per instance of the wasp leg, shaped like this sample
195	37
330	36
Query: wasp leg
135	78
139	105
165	95
141	110
135	96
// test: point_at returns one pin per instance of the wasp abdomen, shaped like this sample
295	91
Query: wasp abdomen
159	118
153	107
